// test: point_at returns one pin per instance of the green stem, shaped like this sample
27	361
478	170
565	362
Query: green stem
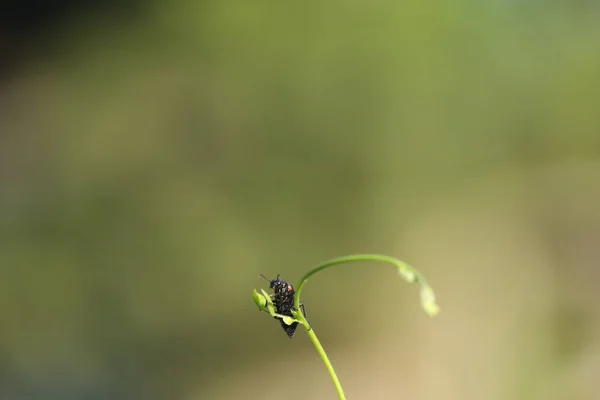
409	273
323	355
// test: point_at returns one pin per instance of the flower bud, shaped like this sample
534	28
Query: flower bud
259	300
428	301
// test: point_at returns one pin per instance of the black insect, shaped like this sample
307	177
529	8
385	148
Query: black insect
283	300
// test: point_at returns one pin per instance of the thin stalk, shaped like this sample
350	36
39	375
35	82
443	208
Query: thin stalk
323	355
402	267
408	272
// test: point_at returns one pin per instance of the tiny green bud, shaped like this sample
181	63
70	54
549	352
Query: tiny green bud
270	307
259	300
288	320
428	301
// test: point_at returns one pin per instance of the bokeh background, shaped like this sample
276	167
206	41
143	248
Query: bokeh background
155	157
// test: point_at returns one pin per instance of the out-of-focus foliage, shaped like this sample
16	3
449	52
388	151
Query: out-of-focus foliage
152	167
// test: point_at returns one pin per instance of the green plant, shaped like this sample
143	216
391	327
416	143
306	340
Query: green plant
264	301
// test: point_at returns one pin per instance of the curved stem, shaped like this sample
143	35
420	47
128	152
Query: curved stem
409	273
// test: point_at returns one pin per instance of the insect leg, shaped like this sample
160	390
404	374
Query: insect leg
303	309
304	313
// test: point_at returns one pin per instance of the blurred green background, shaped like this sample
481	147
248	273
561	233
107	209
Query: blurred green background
156	157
